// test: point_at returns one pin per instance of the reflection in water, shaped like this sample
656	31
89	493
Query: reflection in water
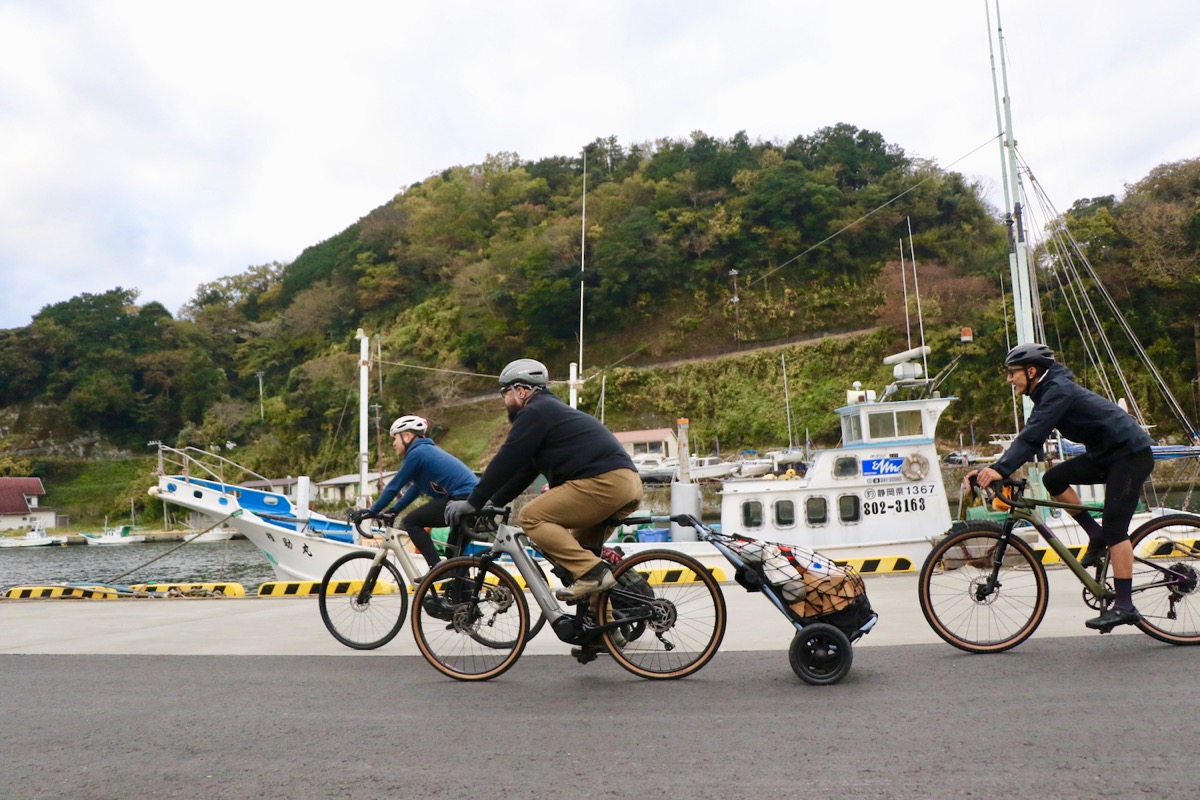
236	561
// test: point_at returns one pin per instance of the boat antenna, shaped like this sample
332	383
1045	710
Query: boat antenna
917	291
904	285
787	400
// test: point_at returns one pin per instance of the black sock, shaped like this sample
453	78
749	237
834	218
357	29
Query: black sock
1092	528
1124	587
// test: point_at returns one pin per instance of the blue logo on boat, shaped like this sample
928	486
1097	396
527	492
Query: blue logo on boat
882	466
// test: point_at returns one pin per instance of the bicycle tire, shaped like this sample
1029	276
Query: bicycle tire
1166	574
820	654
688	621
956	569
450	640
353	622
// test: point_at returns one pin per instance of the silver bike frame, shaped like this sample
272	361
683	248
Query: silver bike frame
511	541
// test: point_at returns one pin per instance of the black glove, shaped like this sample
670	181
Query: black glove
456	510
357	515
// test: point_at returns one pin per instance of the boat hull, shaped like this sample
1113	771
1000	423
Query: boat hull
296	546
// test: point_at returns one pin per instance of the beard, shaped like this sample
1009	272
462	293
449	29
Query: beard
512	412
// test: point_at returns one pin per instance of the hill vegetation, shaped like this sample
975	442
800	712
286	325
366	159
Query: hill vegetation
690	248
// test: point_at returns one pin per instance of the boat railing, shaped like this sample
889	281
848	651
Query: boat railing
185	461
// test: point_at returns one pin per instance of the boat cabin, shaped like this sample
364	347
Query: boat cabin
881	485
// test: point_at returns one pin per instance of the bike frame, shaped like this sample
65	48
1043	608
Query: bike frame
513	542
392	543
1024	509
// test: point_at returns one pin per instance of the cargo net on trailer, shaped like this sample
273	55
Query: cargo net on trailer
813	588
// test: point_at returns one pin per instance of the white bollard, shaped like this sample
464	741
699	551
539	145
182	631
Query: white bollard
685	499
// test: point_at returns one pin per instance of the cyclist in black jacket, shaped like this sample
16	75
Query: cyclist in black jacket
1117	454
590	478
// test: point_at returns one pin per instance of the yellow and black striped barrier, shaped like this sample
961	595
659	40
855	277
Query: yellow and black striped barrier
877	566
80	592
193	589
289	589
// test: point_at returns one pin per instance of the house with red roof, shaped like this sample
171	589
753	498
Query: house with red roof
19	508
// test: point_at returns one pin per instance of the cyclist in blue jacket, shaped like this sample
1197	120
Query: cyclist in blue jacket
1117	454
428	470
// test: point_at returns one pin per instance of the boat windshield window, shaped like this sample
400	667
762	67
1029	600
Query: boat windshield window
852	429
816	510
785	513
882	426
845	467
908	423
752	514
890	424
849	508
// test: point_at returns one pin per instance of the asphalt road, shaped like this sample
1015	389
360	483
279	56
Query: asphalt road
1061	716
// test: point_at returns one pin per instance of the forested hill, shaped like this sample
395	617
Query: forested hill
692	247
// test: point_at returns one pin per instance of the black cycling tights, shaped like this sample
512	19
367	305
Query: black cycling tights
1122	479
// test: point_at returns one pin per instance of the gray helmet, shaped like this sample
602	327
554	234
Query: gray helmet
524	371
1031	354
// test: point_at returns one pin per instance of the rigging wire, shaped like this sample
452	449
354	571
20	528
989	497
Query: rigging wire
1067	254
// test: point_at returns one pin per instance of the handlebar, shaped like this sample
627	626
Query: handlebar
386	517
1002	494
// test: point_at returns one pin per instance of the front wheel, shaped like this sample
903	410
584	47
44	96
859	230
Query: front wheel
676	612
466	633
1166	572
820	654
975	604
362	603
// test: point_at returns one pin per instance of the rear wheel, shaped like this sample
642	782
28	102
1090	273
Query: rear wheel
820	654
1166	574
677	615
962	603
466	634
363	604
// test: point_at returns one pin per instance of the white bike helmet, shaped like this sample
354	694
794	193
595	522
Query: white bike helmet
418	425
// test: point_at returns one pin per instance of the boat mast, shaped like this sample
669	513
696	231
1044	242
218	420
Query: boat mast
1026	312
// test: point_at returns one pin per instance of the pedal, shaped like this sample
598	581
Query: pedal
584	655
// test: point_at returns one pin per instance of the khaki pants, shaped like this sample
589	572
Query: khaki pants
562	520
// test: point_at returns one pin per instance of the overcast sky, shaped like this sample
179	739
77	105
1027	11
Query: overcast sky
161	145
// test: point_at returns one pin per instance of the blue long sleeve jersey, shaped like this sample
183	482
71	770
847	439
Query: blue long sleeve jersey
1082	416
430	470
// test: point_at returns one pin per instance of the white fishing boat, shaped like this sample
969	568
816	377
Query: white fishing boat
750	465
37	537
121	534
221	533
299	544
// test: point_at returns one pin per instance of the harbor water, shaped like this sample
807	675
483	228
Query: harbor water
236	561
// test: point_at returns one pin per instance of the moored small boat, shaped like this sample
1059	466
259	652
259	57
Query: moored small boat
37	537
122	534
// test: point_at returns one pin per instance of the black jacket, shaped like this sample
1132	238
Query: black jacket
1080	415
550	438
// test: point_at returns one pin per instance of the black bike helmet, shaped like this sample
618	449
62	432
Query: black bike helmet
524	372
1030	354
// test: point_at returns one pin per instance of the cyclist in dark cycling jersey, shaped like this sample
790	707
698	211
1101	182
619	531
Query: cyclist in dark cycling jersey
591	478
1117	454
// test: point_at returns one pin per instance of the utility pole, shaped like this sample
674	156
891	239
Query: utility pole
737	321
262	414
378	448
